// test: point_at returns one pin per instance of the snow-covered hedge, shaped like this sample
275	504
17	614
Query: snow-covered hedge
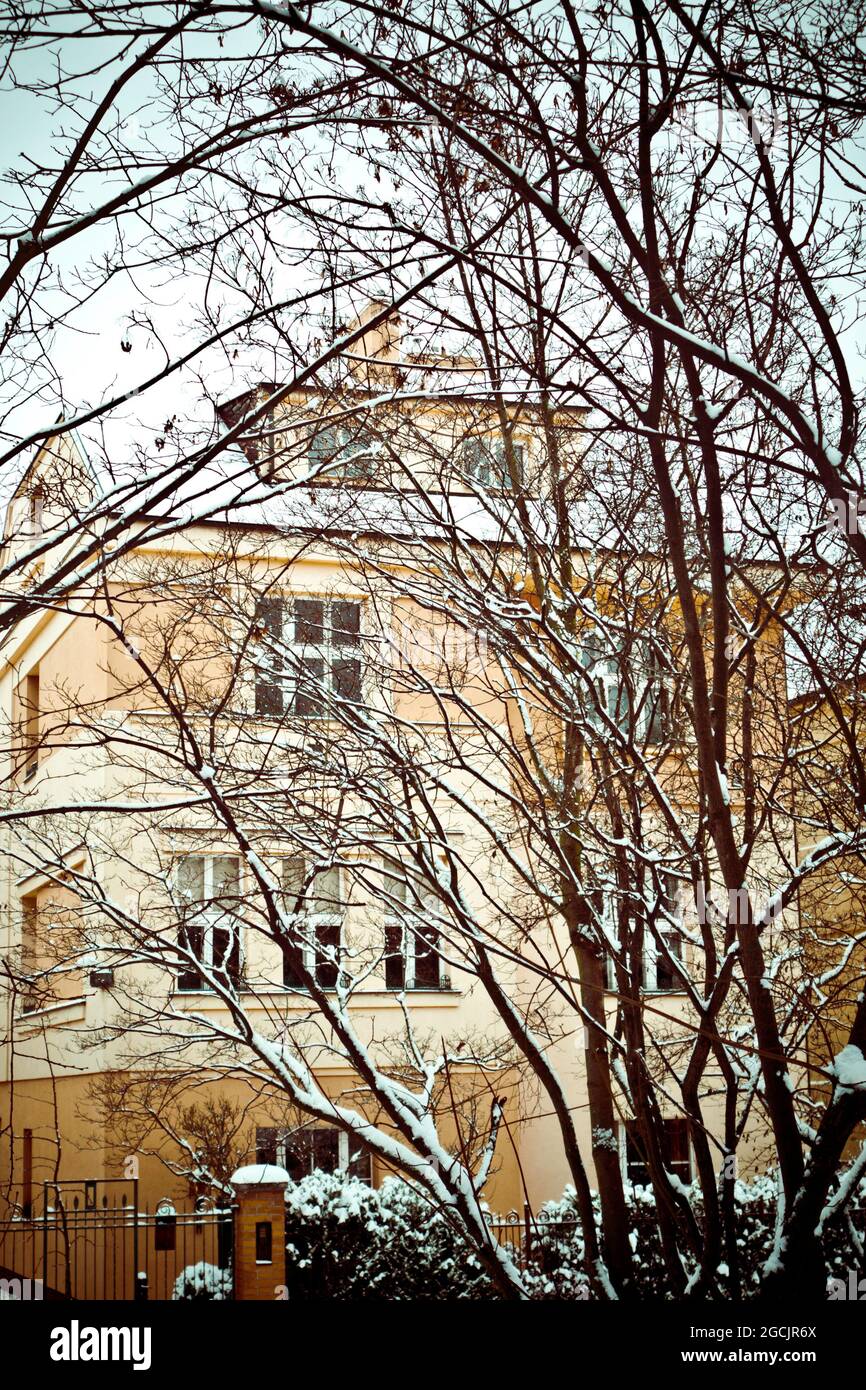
203	1281
348	1241
555	1271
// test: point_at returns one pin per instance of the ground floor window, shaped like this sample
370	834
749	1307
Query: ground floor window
304	1151
676	1152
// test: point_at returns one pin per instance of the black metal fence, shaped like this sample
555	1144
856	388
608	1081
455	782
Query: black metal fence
94	1241
532	1237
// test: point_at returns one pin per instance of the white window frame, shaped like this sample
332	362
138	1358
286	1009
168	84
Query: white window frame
309	920
34	525
649	967
342	1148
349	445
496	466
28	905
409	923
282	659
605	672
285	1135
672	935
211	917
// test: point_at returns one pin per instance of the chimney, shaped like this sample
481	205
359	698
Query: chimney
373	355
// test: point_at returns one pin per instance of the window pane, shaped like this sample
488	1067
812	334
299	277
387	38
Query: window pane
485	461
269	623
189	980
637	1171
617	706
311	675
225	879
477	461
309	621
427	957
190	938
270	698
309	1149
395	888
593	650
266	1145
293	877
269	619
358	450
420	894
665	978
190	878
360	1161
191	933
326	893
345	623
677	1158
292	965
395	964
227	952
324	446
325	1149
327	950
671	893
658	714
293	883
297	1155
499	475
666	974
347	679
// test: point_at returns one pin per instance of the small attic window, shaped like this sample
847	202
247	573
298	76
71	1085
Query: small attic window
345	451
35	504
29	722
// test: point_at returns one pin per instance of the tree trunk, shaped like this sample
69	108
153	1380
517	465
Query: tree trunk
614	1214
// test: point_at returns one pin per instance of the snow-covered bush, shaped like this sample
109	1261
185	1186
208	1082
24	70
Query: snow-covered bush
555	1267
203	1281
345	1240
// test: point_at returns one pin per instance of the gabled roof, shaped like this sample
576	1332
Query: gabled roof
45	460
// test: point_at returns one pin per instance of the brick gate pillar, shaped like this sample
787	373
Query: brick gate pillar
260	1231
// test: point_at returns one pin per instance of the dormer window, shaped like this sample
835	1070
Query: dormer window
343	451
485	462
34	514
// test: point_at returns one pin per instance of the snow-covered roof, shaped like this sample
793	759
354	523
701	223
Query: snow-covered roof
459	384
231	492
12	484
